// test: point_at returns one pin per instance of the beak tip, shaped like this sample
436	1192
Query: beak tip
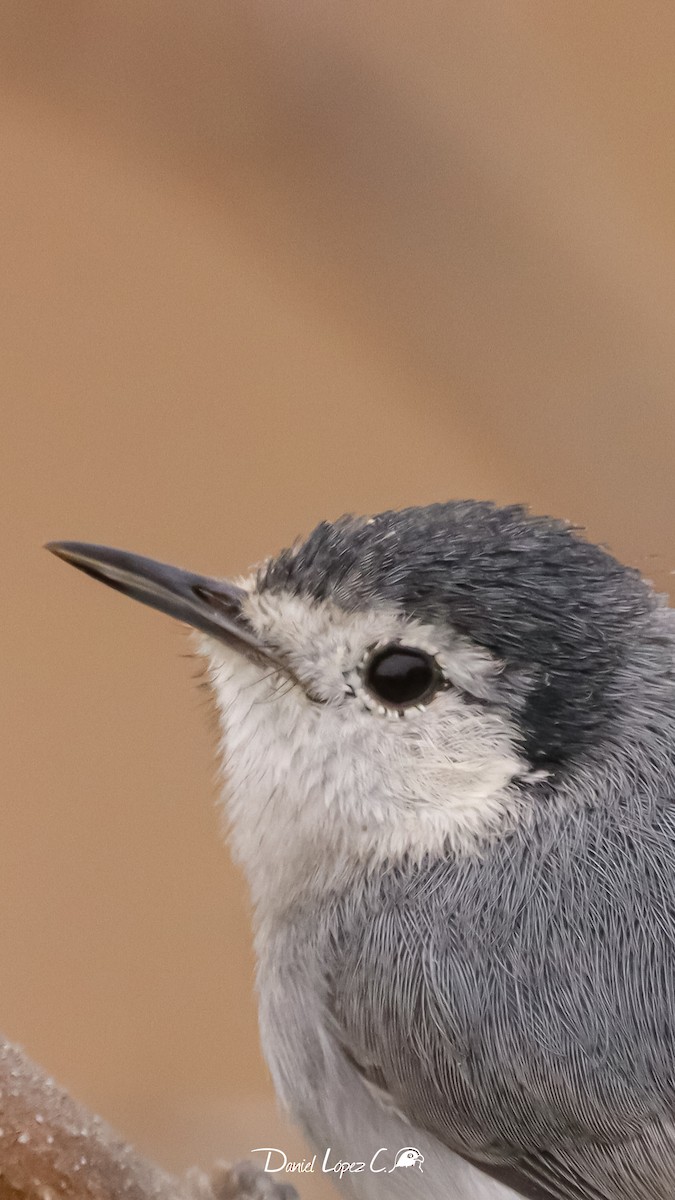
209	605
61	550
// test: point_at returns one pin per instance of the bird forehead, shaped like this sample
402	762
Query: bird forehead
410	554
432	558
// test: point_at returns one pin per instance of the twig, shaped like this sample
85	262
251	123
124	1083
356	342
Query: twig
51	1147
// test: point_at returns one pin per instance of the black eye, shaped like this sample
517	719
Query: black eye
402	675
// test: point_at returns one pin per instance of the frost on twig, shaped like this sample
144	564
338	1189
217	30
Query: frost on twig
51	1147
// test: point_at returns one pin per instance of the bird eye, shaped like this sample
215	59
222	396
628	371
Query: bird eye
402	675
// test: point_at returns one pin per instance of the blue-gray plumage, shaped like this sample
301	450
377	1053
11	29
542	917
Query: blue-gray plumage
465	916
521	1006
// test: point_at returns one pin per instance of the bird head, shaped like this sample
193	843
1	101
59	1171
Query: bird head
391	686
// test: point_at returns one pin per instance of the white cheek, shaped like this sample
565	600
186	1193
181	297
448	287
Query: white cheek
318	789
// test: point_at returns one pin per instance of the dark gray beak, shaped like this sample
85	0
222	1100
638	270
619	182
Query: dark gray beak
211	605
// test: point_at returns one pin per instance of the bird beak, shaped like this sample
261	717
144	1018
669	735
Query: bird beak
211	605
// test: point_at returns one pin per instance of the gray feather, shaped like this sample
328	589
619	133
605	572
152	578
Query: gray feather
520	1004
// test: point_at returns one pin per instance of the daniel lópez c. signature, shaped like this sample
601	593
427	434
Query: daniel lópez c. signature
382	1161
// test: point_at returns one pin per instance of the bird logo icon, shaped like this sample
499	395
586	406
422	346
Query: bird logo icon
408	1157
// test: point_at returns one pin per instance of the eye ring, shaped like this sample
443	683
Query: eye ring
399	676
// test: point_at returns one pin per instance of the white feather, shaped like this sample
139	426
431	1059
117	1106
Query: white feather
314	789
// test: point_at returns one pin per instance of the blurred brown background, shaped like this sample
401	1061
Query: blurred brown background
262	263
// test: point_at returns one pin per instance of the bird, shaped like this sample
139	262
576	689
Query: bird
447	738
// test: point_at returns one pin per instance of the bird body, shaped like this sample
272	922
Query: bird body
448	746
329	1096
485	1013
